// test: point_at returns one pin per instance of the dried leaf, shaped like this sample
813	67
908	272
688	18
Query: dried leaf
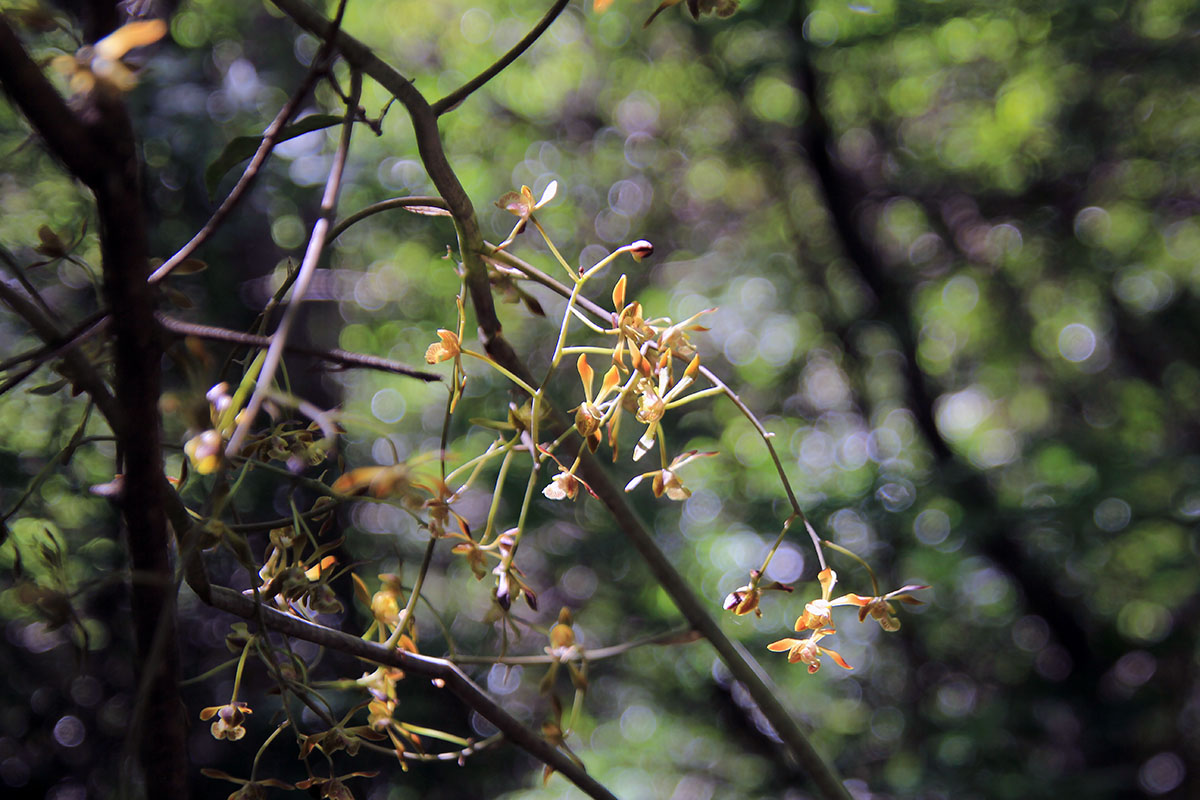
428	211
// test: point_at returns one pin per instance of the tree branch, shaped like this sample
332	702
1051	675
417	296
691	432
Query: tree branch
342	358
102	152
451	100
270	135
471	245
433	668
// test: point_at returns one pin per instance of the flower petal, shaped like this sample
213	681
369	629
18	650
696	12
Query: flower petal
548	195
837	658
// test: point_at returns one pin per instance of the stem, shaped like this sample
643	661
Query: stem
312	255
413	596
237	676
495	506
502	370
766	437
342	358
270	135
856	557
451	100
383	205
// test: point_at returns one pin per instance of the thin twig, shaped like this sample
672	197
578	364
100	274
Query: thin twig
386	205
75	366
312	256
270	137
677	636
23	279
342	358
82	331
451	100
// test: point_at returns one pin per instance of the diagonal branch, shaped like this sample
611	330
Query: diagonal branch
251	172
435	669
450	101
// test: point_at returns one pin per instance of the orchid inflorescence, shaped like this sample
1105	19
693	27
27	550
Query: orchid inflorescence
650	367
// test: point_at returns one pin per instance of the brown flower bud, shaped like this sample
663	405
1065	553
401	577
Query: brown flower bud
641	249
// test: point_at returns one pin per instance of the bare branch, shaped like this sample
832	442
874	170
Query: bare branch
386	205
312	256
435	669
677	636
450	101
270	137
342	358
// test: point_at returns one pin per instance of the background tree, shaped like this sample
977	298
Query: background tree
952	250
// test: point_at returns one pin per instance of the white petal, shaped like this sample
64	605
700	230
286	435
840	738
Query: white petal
548	195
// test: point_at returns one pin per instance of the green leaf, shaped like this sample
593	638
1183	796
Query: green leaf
50	388
244	147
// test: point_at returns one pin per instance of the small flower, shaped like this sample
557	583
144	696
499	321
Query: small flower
381	683
250	790
563	486
475	555
448	348
675	338
666	481
521	203
204	451
333	788
100	65
807	649
651	405
339	738
881	610
563	650
819	613
379	713
509	584
745	599
562	637
229	719
320	568
588	415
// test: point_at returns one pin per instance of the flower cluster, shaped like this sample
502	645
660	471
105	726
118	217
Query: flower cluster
205	448
295	580
817	620
100	66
